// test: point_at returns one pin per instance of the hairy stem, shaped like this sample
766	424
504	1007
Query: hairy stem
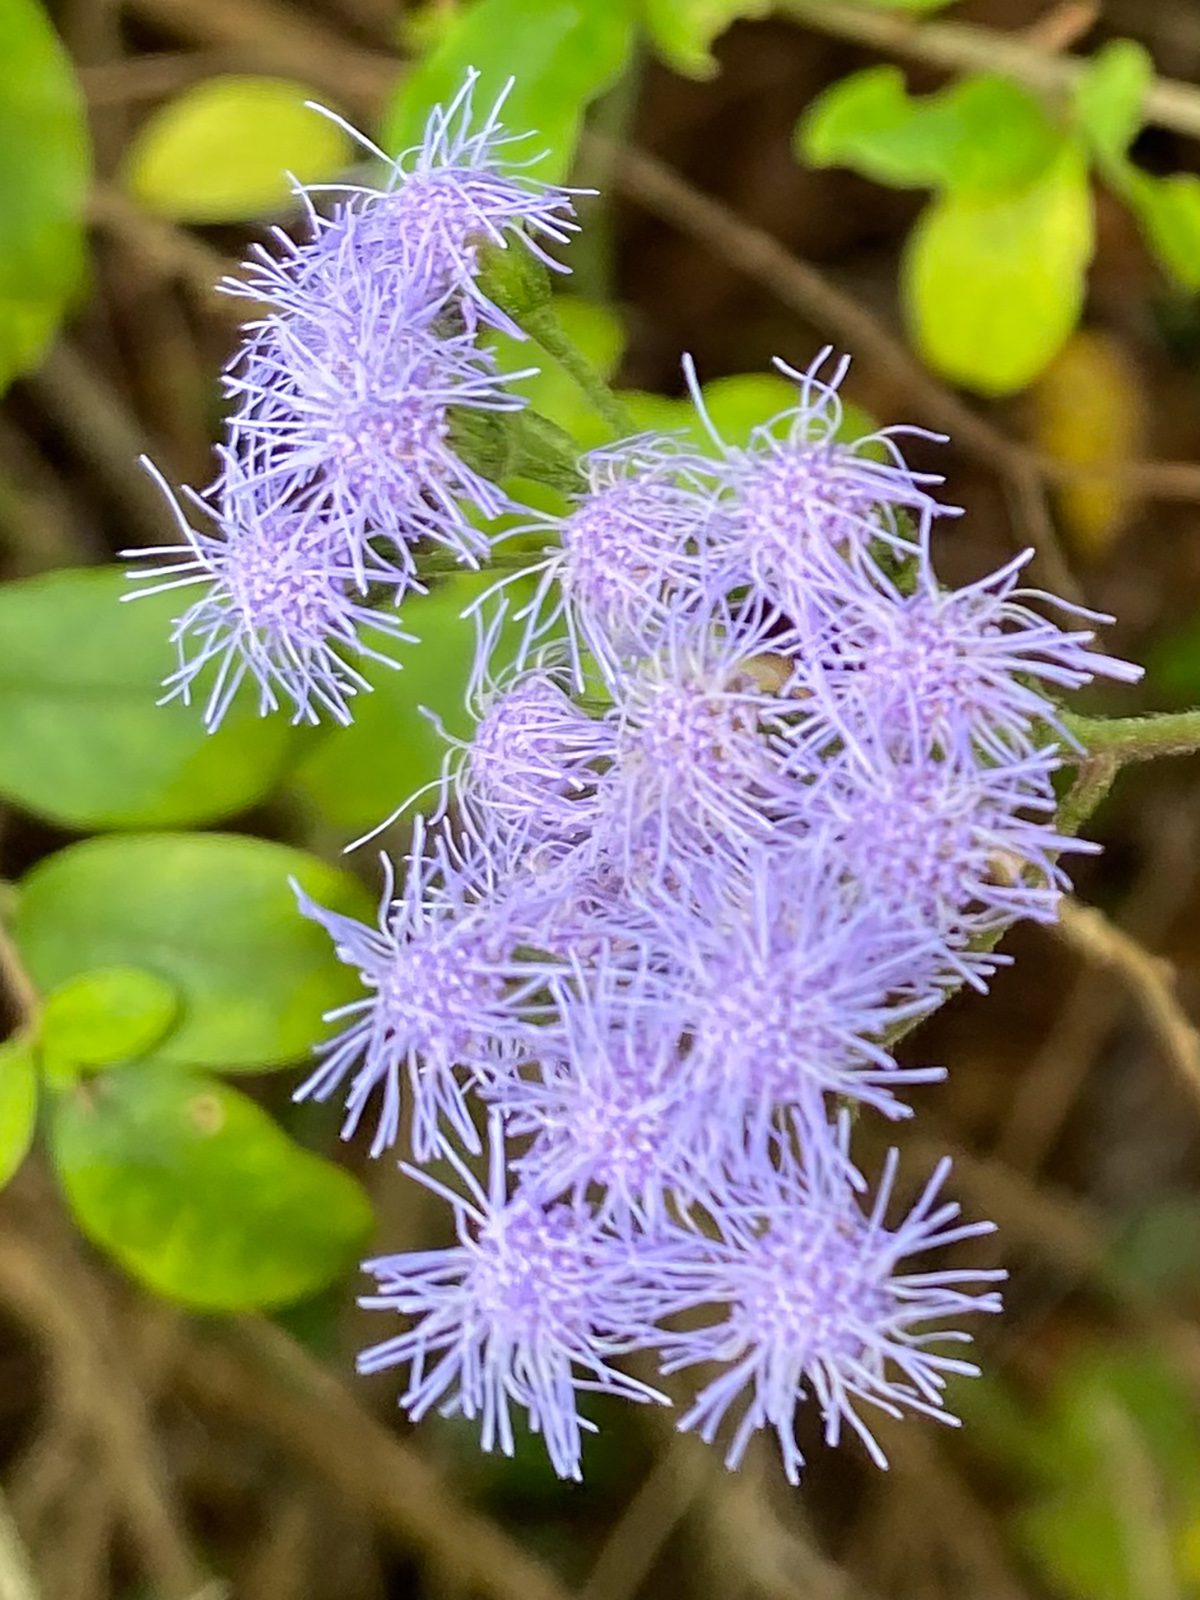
542	326
1167	733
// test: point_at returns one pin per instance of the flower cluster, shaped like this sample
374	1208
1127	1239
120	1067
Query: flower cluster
752	793
342	454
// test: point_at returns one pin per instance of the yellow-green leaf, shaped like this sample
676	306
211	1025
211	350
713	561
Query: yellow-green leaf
994	284
682	31
222	150
18	1103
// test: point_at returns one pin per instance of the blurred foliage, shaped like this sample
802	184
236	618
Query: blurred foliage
44	171
229	148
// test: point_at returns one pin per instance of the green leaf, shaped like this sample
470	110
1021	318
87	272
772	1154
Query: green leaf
1168	210
45	167
357	776
199	1195
211	914
596	332
981	134
994	285
222	150
682	31
18	1103
110	1014
82	741
560	54
1109	96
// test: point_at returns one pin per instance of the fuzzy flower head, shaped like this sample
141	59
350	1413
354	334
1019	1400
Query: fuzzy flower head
445	998
359	409
461	188
814	1304
798	499
968	673
281	603
526	1311
788	986
630	557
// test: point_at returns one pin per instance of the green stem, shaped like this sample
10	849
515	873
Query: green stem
542	326
1169	733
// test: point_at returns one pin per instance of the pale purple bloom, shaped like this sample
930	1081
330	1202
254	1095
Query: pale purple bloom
358	407
814	1303
527	1311
446	998
282	604
789	986
631	556
966	673
435	206
798	500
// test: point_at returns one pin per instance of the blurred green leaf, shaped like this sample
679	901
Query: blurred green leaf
1168	211
1158	1249
1109	96
993	285
222	150
356	776
981	134
82	741
109	1014
1173	667
45	167
18	1103
211	914
596	332
682	31
559	54
199	1195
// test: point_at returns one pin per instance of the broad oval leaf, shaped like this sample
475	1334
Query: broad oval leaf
107	1015
18	1103
199	1195
83	741
993	285
45	166
982	133
222	151
211	914
554	58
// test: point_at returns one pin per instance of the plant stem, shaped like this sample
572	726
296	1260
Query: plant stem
543	327
1168	733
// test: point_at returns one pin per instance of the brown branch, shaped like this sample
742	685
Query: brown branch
266	1380
1150	980
965	47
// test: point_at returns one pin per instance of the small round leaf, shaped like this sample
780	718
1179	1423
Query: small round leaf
199	1195
222	150
213	916
111	1014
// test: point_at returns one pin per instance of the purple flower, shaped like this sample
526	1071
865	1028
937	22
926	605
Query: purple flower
798	500
788	986
527	1311
631	556
813	1303
447	997
358	407
459	189
282	603
609	1101
966	673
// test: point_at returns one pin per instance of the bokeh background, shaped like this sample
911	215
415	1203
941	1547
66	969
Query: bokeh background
180	1420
